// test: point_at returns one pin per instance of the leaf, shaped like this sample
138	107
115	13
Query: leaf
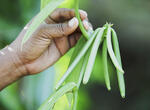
91	59
110	51
77	49
44	3
75	74
80	79
105	65
67	4
69	98
49	103
62	103
77	59
10	99
84	67
117	53
50	7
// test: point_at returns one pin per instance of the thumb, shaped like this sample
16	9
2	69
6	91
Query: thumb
61	29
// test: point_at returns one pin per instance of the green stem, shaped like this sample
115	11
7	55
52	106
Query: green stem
50	102
84	32
75	100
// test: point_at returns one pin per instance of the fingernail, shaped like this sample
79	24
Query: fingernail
73	21
90	29
83	12
86	24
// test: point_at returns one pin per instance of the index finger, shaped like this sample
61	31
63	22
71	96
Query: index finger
63	14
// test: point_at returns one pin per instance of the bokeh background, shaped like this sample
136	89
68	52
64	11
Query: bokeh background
131	21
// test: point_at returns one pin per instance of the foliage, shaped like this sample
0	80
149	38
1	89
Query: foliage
11	93
84	57
81	58
131	19
41	17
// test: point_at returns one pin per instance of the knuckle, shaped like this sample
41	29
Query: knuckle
43	32
62	11
31	69
72	40
61	29
71	12
41	28
56	11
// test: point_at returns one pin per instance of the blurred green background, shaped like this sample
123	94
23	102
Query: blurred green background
131	21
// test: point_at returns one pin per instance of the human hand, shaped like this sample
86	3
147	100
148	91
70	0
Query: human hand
50	41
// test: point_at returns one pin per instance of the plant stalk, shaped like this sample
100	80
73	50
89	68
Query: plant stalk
84	32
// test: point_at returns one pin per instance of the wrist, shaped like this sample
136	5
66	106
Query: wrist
11	67
14	61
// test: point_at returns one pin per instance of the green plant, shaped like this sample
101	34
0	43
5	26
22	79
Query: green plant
83	58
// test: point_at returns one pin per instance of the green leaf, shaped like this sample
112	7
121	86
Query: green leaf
44	3
92	56
77	59
84	66
69	98
117	53
77	49
10	99
105	65
62	103
50	102
75	74
110	51
67	4
50	7
80	79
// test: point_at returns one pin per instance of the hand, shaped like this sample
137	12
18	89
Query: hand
50	41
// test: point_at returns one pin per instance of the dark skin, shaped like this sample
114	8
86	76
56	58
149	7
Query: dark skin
46	46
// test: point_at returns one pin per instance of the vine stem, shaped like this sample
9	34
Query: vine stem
84	32
75	100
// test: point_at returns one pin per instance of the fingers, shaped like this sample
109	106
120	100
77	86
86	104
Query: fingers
65	43
62	44
59	30
72	39
63	14
47	59
87	25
